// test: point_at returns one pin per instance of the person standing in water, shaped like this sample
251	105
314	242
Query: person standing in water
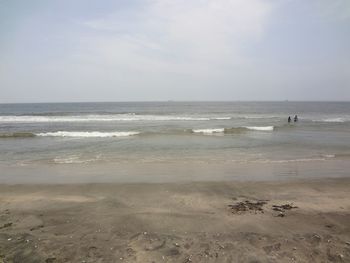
289	119
295	118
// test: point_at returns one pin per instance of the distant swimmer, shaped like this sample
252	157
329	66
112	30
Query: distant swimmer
289	119
295	118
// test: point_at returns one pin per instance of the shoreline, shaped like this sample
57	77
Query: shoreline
179	171
176	222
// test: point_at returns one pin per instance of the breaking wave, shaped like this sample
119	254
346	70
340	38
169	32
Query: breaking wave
221	118
104	118
98	134
334	120
209	131
233	130
17	135
260	128
293	160
94	134
74	159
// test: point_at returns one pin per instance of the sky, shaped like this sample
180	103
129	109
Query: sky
155	50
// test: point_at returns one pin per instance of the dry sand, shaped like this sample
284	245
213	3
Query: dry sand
189	222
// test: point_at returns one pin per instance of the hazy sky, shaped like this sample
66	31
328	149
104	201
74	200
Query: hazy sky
127	50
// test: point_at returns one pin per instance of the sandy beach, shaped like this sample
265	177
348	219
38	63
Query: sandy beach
152	131
289	221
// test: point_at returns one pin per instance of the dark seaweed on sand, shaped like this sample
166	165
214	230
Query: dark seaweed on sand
248	206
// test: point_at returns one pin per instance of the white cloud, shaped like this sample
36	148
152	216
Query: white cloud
192	37
178	49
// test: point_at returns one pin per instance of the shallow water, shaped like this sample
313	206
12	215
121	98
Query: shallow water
54	136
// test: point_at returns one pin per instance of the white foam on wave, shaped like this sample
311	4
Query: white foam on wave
223	130
292	160
260	128
74	159
329	155
68	160
94	134
222	118
209	131
334	120
104	118
259	117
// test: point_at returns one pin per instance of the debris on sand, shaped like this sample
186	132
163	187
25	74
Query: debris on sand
282	208
280	214
248	206
6	212
36	227
188	259
6	225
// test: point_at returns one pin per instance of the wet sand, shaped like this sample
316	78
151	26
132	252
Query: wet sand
176	222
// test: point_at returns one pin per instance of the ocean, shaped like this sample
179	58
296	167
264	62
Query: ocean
131	140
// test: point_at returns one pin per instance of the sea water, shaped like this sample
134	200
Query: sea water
117	137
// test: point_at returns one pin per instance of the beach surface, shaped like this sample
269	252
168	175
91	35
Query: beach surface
280	221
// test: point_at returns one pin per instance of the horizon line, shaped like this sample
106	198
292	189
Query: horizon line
167	101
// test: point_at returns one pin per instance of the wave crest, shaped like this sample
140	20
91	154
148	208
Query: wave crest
93	134
104	118
17	135
208	131
334	120
233	130
260	128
